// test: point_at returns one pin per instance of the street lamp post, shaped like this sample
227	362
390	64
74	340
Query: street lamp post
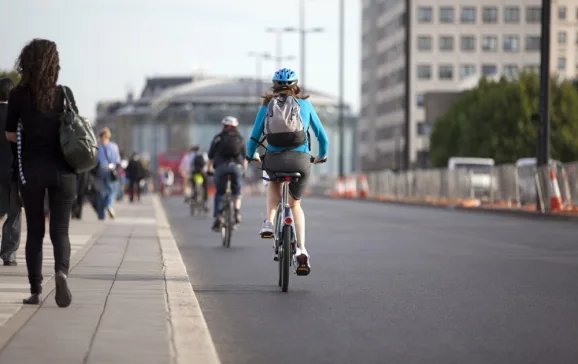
259	58
543	157
341	87
302	40
278	43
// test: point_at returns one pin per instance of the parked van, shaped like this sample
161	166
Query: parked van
481	173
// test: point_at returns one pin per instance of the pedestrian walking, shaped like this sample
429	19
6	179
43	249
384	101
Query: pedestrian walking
108	164
135	173
35	108
10	205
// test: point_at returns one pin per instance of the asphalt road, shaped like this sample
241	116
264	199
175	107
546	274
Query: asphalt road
389	284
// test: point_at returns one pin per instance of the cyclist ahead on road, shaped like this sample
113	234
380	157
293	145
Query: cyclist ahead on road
227	156
284	119
199	161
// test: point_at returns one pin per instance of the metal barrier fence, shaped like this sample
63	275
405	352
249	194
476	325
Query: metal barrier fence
500	186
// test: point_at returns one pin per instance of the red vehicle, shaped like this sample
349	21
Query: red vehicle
172	159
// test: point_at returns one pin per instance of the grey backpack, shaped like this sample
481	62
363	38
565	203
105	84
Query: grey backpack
283	123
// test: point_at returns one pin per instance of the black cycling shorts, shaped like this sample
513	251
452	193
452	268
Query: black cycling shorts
290	162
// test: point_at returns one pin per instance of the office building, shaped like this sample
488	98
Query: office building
410	48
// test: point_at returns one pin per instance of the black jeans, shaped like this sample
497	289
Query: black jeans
61	196
134	188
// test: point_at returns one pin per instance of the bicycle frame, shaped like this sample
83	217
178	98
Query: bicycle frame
284	216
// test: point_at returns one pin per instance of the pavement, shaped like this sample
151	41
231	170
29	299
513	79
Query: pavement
14	282
389	284
132	300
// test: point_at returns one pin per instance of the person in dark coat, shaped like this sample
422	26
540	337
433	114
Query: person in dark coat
135	173
33	121
10	205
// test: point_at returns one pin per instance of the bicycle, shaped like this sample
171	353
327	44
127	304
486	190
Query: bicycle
197	202
284	234
227	213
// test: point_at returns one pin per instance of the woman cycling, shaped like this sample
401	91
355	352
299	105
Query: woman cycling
287	150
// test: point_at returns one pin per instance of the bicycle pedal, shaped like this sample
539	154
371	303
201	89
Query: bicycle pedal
302	270
267	235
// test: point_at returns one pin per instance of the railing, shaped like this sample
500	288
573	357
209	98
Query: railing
503	186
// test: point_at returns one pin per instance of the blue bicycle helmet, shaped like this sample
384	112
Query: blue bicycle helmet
285	77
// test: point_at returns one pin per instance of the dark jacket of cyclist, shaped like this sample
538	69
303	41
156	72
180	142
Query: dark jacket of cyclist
283	158
227	156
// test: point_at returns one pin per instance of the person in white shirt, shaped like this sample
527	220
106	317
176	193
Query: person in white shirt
185	171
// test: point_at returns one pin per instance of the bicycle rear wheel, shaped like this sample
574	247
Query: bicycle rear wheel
285	260
278	242
229	214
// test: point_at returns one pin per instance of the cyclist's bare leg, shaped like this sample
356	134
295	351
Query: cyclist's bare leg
273	199
302	257
299	220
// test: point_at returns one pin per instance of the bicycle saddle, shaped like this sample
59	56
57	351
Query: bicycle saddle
287	174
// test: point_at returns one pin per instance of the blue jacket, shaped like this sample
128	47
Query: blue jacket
309	117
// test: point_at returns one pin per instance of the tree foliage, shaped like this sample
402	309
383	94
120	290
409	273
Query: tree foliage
494	120
13	75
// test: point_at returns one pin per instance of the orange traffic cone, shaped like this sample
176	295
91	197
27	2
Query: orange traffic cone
339	188
363	186
555	197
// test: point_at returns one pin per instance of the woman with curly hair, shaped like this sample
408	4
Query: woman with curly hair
32	121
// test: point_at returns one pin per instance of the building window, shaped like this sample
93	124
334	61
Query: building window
446	15
446	72
467	70
562	37
532	43
489	43
490	15
424	72
468	43
561	63
562	12
535	68
533	14
424	43
446	43
511	43
512	14
425	14
489	69
424	128
468	15
419	100
510	70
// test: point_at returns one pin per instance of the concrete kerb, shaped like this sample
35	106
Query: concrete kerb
482	210
190	340
16	322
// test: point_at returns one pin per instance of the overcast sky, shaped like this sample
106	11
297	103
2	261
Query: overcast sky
109	46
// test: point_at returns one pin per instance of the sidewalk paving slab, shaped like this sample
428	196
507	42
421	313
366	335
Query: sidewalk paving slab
14	280
121	306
